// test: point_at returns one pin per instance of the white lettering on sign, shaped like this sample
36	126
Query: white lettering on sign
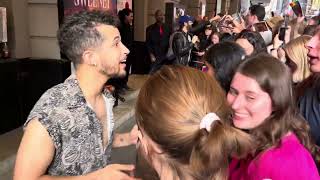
103	4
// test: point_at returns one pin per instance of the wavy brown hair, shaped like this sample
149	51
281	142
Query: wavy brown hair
275	78
169	109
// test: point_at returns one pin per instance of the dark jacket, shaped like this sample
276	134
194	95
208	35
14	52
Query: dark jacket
158	44
182	47
126	32
205	42
309	104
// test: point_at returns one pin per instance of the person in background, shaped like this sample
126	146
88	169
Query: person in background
183	42
252	42
310	30
126	27
274	23
308	92
297	26
209	39
157	40
204	43
69	133
215	38
263	105
126	32
205	18
181	114
276	48
227	37
196	21
222	61
315	20
120	84
255	15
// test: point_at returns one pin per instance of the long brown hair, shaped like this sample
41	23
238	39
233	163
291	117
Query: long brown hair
275	78
169	110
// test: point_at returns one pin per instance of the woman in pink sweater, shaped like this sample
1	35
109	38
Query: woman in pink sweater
262	101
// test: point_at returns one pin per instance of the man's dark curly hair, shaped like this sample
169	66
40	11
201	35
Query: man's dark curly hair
258	10
78	32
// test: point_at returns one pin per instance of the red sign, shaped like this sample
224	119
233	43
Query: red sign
72	6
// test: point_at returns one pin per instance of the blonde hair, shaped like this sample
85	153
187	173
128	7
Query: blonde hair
169	110
297	54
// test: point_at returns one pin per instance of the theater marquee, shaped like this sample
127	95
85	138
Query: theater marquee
72	6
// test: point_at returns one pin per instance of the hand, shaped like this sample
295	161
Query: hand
281	55
195	39
152	58
300	19
277	42
216	18
287	35
201	53
133	135
238	27
113	171
228	17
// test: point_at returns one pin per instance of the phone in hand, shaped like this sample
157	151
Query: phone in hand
282	33
260	27
236	17
296	7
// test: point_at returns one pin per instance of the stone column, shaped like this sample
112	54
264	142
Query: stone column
140	12
211	8
233	6
18	28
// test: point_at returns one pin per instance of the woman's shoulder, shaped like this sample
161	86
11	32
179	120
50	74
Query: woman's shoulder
289	160
289	150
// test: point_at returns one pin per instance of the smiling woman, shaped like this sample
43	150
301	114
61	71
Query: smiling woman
263	105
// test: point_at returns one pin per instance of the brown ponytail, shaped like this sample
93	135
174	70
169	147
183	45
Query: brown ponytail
211	153
169	110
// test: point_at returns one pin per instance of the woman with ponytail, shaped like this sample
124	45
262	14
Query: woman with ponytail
182	115
261	98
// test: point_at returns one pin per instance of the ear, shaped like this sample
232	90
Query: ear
89	57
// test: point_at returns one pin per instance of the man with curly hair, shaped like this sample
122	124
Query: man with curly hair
69	132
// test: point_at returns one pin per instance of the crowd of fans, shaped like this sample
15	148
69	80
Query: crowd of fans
227	98
271	82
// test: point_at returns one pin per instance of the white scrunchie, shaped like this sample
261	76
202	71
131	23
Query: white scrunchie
207	120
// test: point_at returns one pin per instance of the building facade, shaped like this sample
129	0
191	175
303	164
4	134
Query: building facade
32	24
